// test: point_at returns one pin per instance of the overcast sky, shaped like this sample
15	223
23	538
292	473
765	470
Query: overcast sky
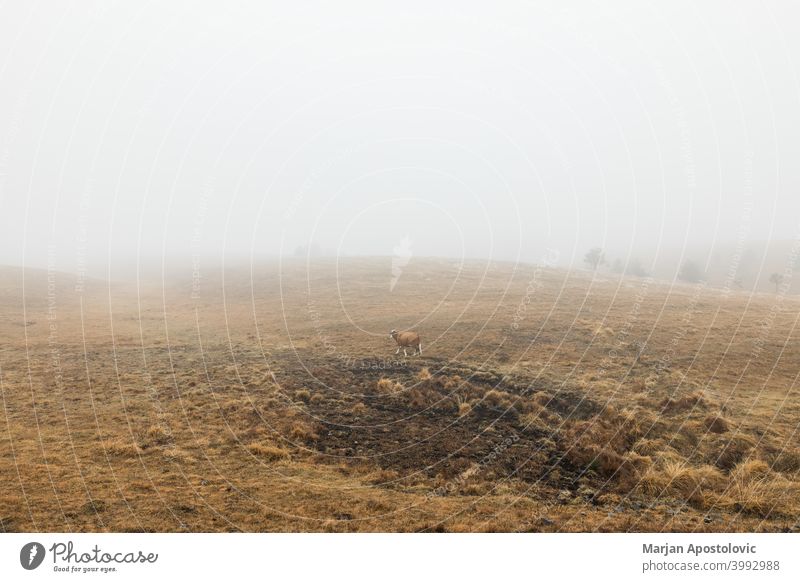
172	129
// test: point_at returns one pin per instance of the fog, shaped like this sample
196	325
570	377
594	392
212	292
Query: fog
185	131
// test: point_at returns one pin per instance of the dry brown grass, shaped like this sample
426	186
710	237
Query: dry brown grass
717	424
683	403
303	395
786	461
304	432
159	434
389	386
673	477
122	448
268	452
323	431
728	451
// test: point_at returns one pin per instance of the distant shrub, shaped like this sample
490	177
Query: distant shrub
594	258
636	269
777	280
691	272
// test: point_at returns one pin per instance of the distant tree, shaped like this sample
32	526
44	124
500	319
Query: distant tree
312	250
594	258
691	272
777	279
618	266
636	269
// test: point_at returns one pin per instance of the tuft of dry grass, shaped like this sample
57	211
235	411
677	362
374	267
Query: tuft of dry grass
303	432
416	398
728	451
389	386
648	447
424	374
159	435
122	448
684	403
761	495
674	477
786	461
716	424
177	455
498	398
268	452
750	470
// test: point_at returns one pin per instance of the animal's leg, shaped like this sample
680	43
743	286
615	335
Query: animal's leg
405	353
419	348
397	352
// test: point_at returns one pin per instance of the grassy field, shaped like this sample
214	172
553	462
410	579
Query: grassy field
270	399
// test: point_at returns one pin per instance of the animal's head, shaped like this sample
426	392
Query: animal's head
393	333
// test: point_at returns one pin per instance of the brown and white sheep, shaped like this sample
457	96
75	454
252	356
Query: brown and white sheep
406	339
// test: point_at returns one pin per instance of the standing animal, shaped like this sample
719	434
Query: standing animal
405	340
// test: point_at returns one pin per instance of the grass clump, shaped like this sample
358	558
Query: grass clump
716	424
303	432
268	452
159	435
684	403
122	448
389	386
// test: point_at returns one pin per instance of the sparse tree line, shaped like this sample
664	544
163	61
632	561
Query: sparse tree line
596	257
689	272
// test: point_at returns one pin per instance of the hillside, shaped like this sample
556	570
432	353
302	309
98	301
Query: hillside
270	399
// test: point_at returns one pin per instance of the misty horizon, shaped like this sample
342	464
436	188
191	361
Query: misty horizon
492	134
